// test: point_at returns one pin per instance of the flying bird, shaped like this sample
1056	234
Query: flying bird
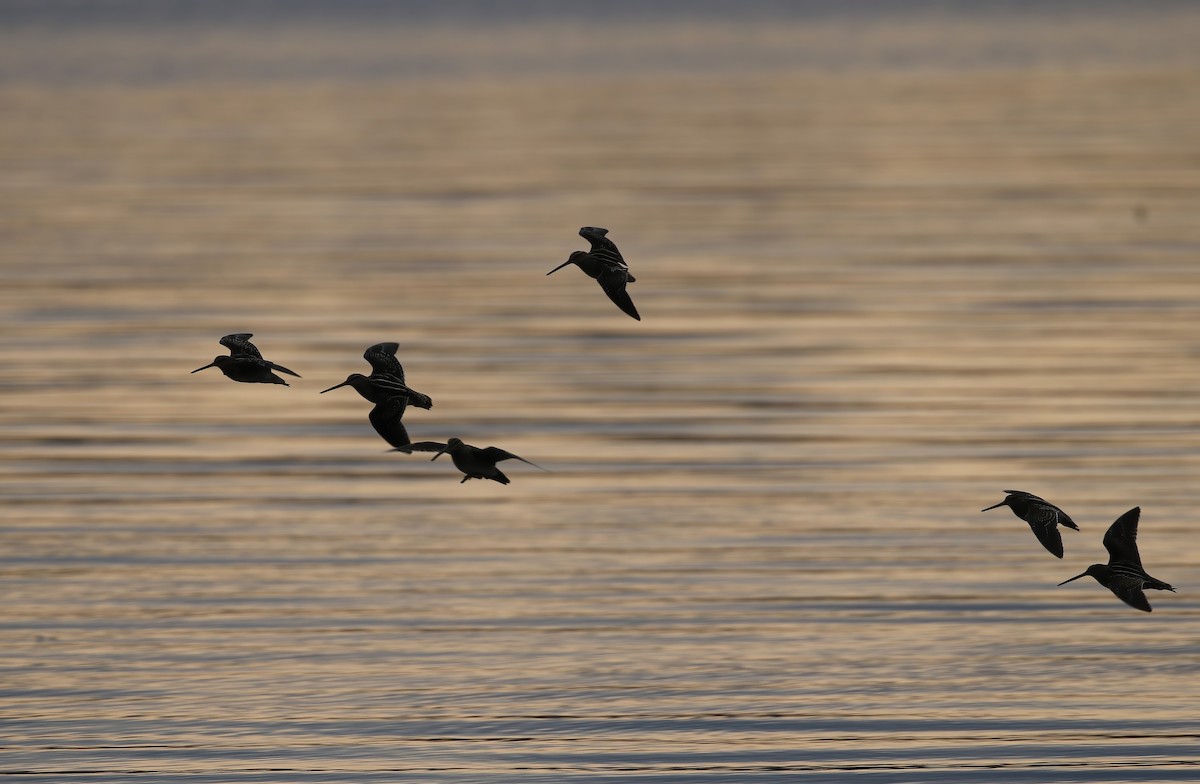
385	388
388	412
245	362
1043	517
386	368
474	462
1123	574
386	379
604	263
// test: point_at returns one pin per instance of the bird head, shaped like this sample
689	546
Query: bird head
451	445
218	362
354	379
574	258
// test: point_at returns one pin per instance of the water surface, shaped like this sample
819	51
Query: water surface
873	298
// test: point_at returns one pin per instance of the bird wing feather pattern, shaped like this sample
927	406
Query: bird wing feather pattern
239	345
382	357
1121	539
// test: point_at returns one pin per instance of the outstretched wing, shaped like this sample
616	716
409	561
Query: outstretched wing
422	446
1047	533
239	345
495	454
385	418
1065	519
382	357
613	282
282	369
1132	595
1044	519
603	249
1121	541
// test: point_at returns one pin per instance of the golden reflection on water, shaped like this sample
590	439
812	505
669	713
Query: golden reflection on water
871	302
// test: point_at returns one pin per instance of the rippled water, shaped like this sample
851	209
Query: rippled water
872	300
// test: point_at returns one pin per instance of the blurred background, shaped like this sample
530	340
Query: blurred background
892	258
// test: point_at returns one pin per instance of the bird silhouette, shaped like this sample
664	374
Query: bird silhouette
1043	518
385	388
1123	574
388	412
604	263
474	462
386	368
245	362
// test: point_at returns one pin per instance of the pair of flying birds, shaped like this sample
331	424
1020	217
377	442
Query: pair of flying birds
386	388
1123	574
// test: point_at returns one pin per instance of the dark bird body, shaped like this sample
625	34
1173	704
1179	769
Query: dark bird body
605	264
1043	517
1123	574
245	362
474	462
385	388
388	374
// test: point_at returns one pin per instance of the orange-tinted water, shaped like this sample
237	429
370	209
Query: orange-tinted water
872	300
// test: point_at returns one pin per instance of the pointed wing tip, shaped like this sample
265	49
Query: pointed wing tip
535	465
1050	538
1134	597
621	299
1121	537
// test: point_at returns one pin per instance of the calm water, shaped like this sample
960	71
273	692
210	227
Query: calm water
872	299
